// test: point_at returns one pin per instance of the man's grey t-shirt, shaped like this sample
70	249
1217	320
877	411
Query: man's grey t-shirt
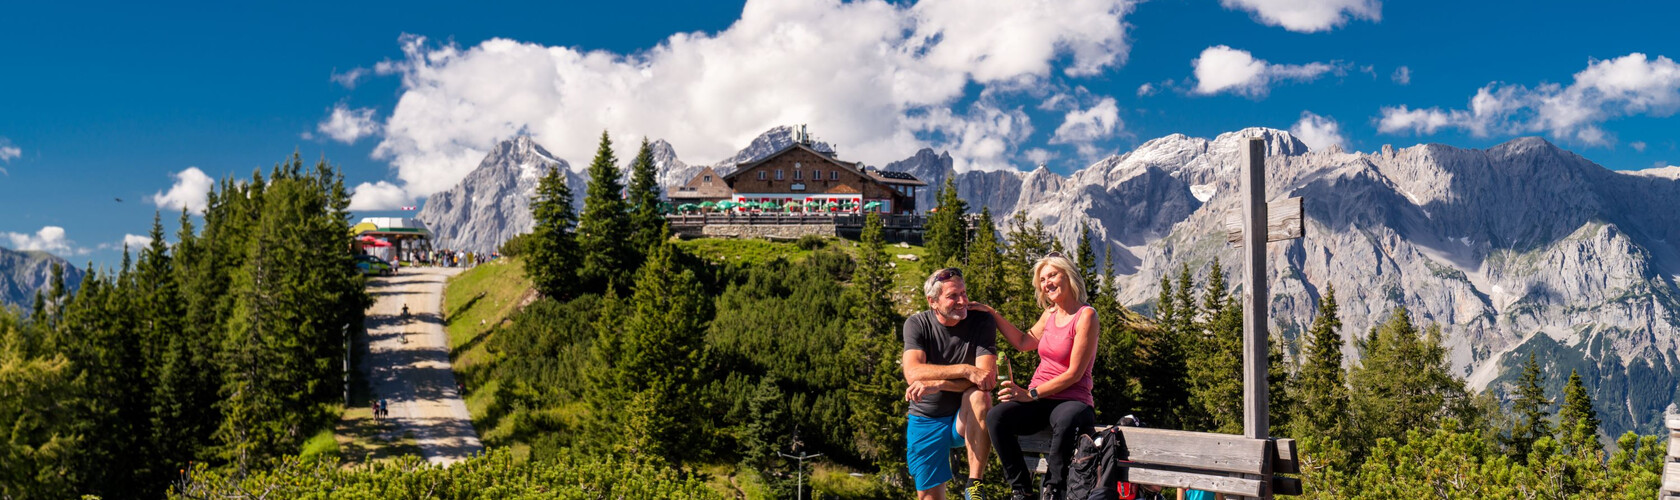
973	337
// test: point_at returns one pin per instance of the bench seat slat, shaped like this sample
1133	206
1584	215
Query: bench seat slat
1198	450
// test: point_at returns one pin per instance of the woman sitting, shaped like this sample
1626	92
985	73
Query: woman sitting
1059	396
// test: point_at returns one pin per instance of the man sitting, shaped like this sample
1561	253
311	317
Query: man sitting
950	363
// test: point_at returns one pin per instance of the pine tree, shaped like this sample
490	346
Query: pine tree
604	230
1402	382
647	221
552	264
1216	366
1530	409
661	357
1165	379
985	274
872	350
1085	258
1114	376
40	455
168	350
946	233
1321	385
1577	420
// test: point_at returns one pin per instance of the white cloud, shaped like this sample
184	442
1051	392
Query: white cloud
1147	89
1307	16
1638	146
379	196
1224	69
1039	156
190	191
1402	75
347	125
1085	126
8	152
133	242
1630	85
136	241
49	239
349	79
1318	132
874	77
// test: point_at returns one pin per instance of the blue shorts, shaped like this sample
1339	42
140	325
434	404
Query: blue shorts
929	442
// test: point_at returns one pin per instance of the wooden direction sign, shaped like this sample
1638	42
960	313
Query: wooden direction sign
1283	222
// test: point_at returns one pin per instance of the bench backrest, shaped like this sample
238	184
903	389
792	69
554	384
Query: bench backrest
1221	463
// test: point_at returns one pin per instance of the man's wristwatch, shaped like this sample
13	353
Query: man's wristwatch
1033	393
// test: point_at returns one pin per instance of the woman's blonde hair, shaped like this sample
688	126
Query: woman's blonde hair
1066	267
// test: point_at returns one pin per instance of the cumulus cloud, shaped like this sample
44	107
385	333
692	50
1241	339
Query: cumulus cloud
874	77
1224	69
1085	126
1638	146
347	125
190	191
1631	85
132	242
1147	89
1402	75
1307	16
380	195
1318	132
49	239
8	152
1039	156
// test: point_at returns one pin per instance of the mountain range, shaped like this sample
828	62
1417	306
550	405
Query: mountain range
24	272
1522	248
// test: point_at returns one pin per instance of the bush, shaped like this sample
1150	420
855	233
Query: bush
515	246
811	242
324	445
833	263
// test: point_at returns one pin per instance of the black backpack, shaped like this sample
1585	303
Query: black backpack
1099	463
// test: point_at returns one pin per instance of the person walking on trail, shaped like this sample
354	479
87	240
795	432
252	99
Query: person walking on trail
1059	396
950	364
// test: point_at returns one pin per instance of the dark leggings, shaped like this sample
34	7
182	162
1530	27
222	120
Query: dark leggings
1066	420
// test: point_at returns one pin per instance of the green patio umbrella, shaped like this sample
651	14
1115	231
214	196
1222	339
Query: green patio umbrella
873	205
791	206
687	207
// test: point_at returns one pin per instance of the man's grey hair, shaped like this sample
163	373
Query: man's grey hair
932	287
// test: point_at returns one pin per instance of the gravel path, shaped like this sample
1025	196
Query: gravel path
407	364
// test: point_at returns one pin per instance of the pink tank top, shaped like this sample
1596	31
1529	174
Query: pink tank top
1055	354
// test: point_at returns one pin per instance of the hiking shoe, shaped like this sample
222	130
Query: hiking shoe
1020	495
1052	493
972	492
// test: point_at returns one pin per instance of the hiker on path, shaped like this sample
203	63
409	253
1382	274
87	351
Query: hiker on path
950	364
1059	396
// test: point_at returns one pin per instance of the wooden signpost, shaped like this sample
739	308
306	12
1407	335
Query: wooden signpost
1237	466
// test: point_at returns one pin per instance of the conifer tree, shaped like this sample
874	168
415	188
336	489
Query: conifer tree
1165	379
604	230
1577	420
1321	384
1402	382
39	457
1085	258
660	358
946	234
872	349
1114	375
645	217
1530	408
985	274
1217	361
553	258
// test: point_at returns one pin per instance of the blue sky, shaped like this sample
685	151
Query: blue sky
100	101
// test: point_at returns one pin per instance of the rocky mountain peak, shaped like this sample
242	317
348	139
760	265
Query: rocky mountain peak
24	272
492	204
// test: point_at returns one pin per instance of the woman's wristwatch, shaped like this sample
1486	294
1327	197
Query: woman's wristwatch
1033	393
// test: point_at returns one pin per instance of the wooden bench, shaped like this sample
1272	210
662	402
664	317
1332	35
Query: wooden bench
1220	463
